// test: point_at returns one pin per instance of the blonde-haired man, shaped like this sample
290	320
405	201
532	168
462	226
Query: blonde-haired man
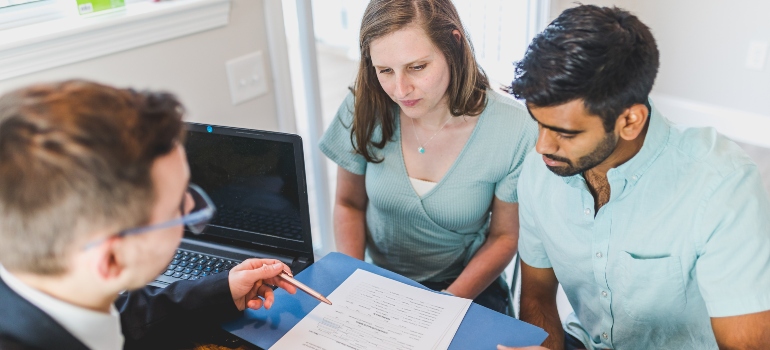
94	194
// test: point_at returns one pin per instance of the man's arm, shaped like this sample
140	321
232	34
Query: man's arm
538	303
748	332
733	257
169	317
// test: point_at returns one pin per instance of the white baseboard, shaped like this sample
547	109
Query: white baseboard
741	126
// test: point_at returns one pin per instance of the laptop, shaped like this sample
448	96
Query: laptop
256	180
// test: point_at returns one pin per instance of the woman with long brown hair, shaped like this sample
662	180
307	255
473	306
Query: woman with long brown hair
428	155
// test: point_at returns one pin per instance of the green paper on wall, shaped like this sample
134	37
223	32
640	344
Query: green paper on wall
91	6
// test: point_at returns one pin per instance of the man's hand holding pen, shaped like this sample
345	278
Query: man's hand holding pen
250	283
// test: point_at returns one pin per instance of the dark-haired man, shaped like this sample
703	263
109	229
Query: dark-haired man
93	195
659	236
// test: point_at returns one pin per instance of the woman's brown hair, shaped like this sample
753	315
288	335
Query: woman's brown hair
438	18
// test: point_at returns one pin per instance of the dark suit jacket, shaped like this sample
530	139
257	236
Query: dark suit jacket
151	318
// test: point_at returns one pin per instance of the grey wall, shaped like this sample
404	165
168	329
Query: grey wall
193	67
703	46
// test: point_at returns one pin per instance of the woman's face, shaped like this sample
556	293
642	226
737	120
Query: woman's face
412	71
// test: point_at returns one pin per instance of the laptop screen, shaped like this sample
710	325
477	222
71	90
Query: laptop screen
256	180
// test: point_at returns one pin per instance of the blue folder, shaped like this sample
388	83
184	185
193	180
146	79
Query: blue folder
481	328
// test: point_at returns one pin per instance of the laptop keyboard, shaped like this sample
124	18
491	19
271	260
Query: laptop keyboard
189	265
256	221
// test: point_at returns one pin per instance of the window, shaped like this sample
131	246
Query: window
9	3
16	13
50	33
499	29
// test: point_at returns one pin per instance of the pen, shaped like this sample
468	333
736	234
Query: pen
288	277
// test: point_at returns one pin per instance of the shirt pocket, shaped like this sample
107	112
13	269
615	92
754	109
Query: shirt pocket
651	288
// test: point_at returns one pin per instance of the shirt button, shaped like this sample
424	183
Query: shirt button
605	336
634	177
587	211
604	294
598	254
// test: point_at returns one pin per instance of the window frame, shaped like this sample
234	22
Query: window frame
68	39
30	13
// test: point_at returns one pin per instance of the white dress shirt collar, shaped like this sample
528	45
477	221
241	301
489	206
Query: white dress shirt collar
96	330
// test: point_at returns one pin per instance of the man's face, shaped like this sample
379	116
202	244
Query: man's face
571	139
154	249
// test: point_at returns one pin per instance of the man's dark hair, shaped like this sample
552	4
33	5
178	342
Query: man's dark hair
604	56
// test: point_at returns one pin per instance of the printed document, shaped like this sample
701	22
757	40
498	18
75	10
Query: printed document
374	312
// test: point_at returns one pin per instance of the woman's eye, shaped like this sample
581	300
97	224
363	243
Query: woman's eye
420	67
385	70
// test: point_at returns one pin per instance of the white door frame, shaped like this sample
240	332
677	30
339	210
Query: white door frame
295	78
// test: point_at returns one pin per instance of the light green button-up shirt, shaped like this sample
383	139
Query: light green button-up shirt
684	237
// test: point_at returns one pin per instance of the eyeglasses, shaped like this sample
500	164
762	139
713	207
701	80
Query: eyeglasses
202	212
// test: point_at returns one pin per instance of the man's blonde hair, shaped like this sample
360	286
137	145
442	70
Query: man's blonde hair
75	157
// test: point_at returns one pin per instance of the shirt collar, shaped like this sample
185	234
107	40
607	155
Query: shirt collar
655	141
95	329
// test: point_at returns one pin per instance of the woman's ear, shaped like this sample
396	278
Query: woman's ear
458	36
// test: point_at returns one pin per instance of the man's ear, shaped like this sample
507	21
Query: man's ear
631	123
109	266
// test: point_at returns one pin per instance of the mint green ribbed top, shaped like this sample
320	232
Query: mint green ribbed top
432	238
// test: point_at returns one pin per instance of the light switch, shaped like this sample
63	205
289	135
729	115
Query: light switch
246	76
757	55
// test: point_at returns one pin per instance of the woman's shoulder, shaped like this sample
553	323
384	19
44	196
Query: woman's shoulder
506	114
505	107
340	126
345	111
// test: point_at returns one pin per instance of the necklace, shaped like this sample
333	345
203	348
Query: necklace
421	149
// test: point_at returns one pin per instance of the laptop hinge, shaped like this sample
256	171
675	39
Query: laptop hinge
239	253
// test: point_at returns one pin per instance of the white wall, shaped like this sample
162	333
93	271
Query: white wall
703	47
193	67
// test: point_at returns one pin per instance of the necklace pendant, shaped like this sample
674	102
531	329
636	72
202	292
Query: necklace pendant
421	150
